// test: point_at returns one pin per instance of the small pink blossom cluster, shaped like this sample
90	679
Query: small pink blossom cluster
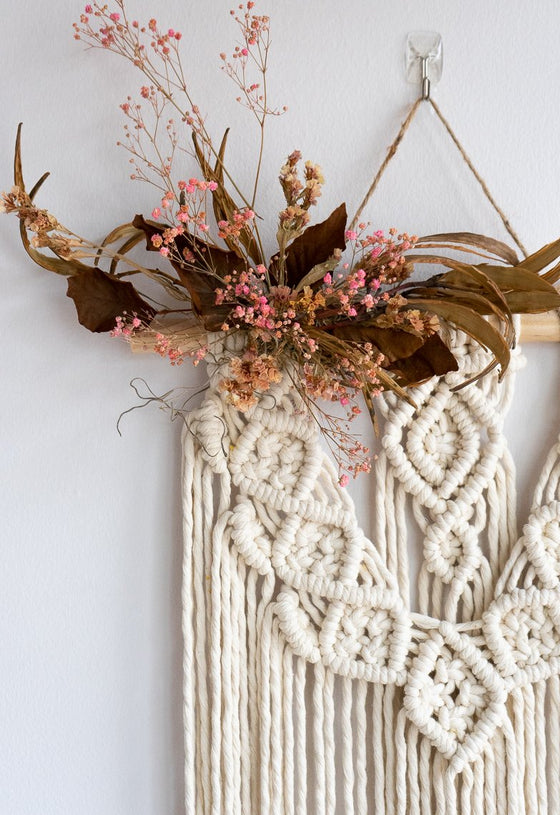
380	256
185	210
126	325
253	26
166	349
252	53
241	220
169	348
111	30
147	124
270	313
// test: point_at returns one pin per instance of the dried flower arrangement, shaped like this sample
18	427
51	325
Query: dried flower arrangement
333	306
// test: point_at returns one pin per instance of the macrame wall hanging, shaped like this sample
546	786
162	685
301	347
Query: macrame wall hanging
322	674
310	683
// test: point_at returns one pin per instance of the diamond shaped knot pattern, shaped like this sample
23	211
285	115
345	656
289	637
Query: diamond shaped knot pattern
335	603
454	696
522	630
437	452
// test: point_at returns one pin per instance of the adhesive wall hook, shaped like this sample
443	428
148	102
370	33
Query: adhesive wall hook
424	59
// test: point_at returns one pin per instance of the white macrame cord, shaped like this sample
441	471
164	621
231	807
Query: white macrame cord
310	685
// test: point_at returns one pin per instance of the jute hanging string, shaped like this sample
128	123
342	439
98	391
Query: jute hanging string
311	684
393	150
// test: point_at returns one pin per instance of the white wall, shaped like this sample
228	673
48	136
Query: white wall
90	661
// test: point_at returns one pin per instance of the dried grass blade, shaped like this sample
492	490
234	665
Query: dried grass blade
117	234
388	383
126	247
317	273
491	245
35	189
18	172
457	248
439	260
222	203
532	302
516	278
538	260
553	275
120	232
465	296
61	267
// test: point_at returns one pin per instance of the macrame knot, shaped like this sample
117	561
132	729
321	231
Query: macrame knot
541	536
450	547
454	695
276	457
522	629
208	426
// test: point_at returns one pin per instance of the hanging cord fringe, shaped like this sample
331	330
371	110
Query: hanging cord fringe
393	149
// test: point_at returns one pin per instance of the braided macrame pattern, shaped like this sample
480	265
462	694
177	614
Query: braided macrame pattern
321	676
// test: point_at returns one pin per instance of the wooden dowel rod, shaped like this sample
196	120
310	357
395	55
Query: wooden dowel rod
534	328
540	327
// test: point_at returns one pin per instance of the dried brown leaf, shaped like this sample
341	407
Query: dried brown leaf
100	298
393	343
315	246
209	259
433	358
472	324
